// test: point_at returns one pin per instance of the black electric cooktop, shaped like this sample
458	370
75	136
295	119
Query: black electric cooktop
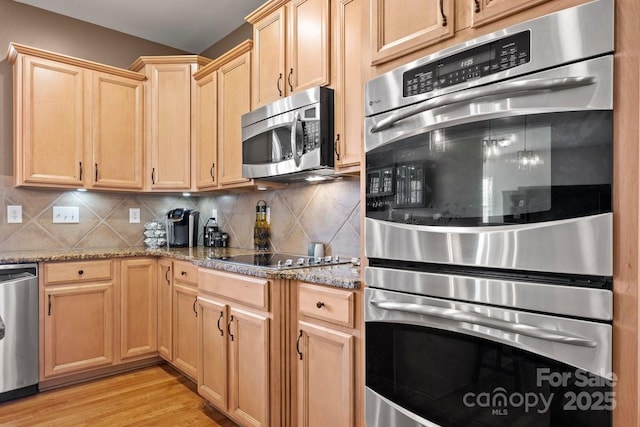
282	260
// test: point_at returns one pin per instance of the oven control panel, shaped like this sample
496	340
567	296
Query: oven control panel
473	63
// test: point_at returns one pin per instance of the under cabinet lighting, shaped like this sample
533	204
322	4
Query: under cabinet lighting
82	189
315	178
185	194
261	188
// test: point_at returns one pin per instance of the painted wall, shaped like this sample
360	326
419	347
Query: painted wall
300	213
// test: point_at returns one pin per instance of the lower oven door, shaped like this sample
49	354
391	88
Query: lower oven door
439	362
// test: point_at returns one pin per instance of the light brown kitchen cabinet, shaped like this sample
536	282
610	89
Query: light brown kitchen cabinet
291	48
205	127
234	100
77	310
400	27
351	51
185	322
324	355
138	308
75	118
168	119
117	132
485	11
235	348
165	309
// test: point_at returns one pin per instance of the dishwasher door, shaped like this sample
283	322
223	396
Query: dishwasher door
18	330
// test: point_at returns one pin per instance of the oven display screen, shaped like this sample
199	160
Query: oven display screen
471	64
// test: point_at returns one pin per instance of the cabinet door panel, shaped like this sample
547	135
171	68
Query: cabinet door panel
117	132
404	26
206	128
349	95
185	354
78	328
269	50
52	119
234	100
326	369
138	309
212	352
171	126
165	310
308	44
249	367
486	11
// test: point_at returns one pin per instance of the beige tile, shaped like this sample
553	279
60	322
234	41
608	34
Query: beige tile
118	220
69	234
31	236
100	203
296	242
33	201
345	243
324	216
101	237
298	196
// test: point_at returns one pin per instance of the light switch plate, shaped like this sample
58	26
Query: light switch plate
134	215
66	214
14	214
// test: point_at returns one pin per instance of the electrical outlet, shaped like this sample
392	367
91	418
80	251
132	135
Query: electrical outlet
214	214
66	214
14	214
134	215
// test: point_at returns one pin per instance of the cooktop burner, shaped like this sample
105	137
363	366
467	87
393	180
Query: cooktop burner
283	261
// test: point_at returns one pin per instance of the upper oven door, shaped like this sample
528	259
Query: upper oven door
493	175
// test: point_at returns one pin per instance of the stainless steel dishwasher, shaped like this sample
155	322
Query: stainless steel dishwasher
18	330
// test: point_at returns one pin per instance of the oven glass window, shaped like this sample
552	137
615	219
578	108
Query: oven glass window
512	170
457	380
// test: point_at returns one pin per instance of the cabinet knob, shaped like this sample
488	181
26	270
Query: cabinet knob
183	273
81	272
319	304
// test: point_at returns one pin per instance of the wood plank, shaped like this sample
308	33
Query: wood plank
158	395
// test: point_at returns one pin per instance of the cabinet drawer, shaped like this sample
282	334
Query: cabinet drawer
332	305
81	271
185	272
251	291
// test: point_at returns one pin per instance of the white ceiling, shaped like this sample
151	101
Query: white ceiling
190	25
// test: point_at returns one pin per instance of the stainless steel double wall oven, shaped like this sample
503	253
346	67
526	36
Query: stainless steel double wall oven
489	229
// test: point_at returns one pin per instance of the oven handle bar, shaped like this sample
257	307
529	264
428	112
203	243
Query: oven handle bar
294	138
460	316
520	86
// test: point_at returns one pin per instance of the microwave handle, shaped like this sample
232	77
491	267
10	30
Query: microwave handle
477	319
294	138
521	86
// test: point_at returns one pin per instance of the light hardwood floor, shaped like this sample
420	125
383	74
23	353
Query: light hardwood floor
158	396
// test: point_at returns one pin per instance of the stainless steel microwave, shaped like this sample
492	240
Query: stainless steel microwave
290	139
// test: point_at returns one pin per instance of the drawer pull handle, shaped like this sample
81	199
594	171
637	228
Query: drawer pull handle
278	85
194	306
319	304
81	272
229	327
80	171
49	311
96	172
166	276
289	80
212	170
298	345
444	17
219	319
477	9
336	147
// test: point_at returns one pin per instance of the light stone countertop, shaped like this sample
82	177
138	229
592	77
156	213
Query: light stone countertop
345	276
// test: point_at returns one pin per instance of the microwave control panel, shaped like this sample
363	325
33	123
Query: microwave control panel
473	63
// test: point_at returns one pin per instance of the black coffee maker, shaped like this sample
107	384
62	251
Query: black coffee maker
182	227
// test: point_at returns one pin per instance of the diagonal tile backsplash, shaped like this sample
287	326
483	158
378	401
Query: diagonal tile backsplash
300	213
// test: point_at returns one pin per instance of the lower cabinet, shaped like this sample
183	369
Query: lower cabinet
185	353
235	348
165	309
138	308
324	357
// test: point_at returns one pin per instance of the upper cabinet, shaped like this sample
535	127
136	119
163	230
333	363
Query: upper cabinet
291	48
485	11
76	123
400	27
168	119
205	127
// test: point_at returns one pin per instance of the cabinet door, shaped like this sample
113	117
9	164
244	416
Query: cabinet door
234	100
117	135
185	352
400	27
212	352
351	45
165	310
326	368
78	328
49	124
249	367
269	56
485	11
170	126
138	308
307	44
205	131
